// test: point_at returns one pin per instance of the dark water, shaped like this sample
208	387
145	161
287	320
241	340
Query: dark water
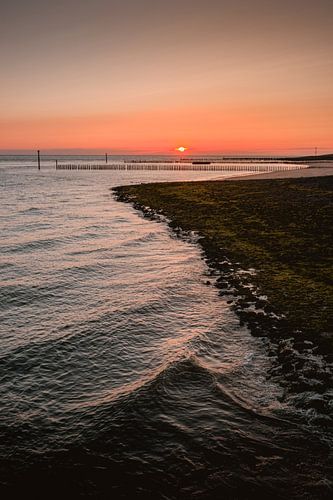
123	375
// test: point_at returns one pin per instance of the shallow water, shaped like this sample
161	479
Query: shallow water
123	374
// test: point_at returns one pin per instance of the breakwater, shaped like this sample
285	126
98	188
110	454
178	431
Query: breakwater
195	166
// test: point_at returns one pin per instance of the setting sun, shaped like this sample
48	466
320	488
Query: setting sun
181	149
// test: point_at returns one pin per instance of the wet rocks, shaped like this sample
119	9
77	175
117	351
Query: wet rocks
296	362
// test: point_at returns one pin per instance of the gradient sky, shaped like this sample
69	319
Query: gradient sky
150	75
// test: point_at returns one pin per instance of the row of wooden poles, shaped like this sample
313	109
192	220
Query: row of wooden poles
178	167
214	160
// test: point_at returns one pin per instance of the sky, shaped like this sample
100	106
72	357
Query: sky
228	76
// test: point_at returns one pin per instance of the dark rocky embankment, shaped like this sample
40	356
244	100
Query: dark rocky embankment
269	245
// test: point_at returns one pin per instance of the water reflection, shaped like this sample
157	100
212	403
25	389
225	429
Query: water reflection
121	370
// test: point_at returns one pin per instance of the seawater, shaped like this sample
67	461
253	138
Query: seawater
123	373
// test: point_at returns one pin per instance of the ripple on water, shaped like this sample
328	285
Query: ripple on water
117	360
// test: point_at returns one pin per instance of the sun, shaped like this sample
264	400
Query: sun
181	149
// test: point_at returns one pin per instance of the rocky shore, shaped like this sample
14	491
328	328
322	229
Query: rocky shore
262	270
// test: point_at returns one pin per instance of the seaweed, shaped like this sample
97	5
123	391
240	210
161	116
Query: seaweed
281	228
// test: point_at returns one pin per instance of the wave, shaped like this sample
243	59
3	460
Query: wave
23	295
89	252
36	210
31	246
137	241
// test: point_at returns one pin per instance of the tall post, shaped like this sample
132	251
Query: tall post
38	159
56	164
106	157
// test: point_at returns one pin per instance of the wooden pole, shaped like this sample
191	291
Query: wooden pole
106	157
56	164
38	159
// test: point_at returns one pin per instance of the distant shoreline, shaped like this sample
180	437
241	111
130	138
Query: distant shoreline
316	169
101	154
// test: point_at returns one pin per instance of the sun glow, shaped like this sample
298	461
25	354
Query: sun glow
181	149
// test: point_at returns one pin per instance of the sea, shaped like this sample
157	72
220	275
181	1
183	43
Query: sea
123	372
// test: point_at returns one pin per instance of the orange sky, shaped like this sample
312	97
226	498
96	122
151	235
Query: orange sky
148	76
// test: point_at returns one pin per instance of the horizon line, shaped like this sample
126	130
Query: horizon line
191	151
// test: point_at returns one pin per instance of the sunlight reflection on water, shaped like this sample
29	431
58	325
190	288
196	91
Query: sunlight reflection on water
109	332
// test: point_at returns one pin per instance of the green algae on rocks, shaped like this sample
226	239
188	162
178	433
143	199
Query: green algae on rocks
281	228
